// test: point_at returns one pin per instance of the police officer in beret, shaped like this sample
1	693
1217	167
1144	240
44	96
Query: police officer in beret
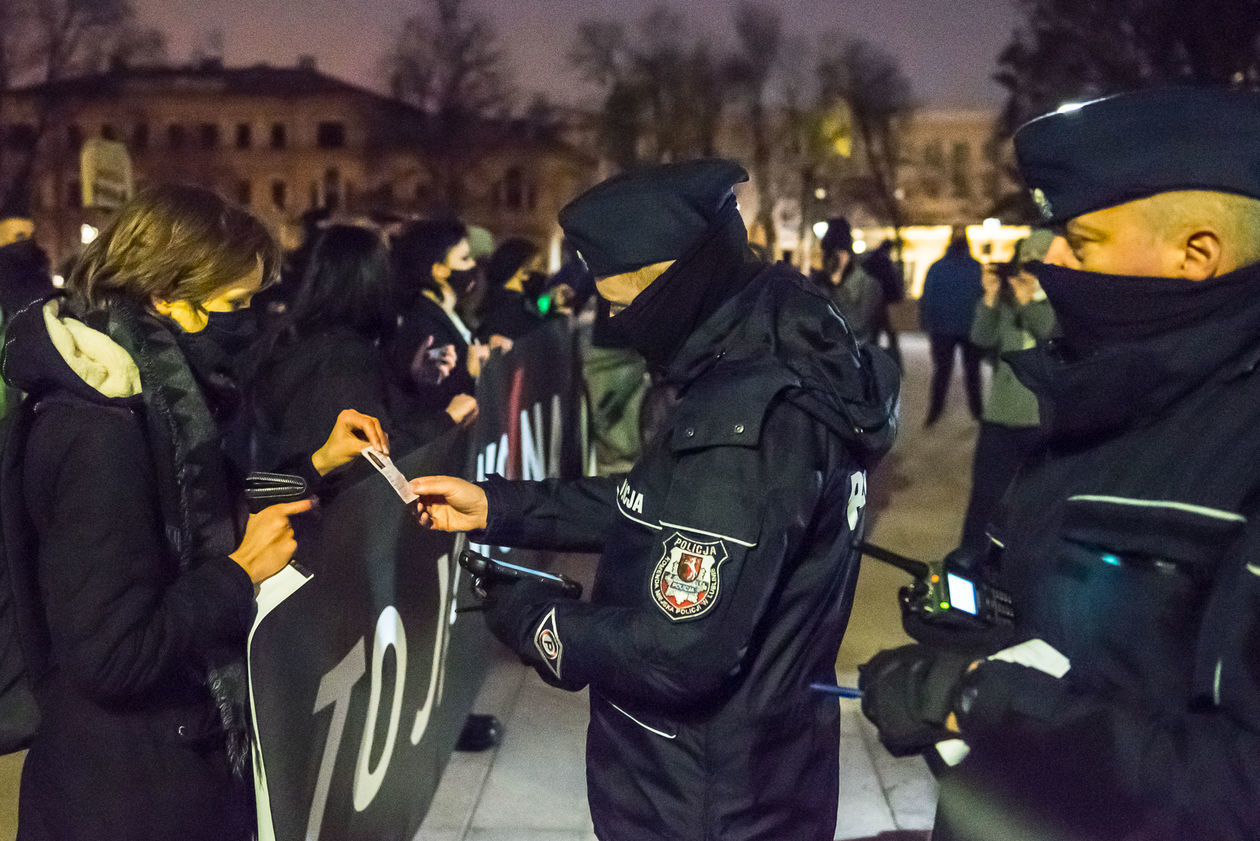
1124	703
727	562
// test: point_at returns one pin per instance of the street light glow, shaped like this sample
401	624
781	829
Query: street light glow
820	229
87	233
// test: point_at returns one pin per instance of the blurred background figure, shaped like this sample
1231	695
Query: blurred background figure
880	265
858	296
326	353
514	283
950	293
1013	315
433	263
25	277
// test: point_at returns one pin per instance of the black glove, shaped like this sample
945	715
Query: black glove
908	693
515	610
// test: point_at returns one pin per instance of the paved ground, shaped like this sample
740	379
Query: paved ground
532	787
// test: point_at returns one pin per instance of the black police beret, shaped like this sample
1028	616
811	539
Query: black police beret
1110	151
649	214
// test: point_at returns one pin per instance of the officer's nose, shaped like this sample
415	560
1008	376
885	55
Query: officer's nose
1060	254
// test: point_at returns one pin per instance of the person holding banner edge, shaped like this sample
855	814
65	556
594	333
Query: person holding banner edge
728	563
134	636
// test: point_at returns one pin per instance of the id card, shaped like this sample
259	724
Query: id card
386	467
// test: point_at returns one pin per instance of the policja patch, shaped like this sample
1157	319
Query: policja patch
685	582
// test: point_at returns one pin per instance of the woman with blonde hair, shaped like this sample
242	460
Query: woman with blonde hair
146	570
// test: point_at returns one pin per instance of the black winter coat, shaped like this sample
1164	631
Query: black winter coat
303	386
426	319
725	580
1130	546
130	744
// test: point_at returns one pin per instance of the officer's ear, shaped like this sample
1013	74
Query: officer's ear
1202	256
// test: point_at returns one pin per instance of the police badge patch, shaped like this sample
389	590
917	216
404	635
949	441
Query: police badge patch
547	641
685	581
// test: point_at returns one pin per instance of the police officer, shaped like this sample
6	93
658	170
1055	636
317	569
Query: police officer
1126	704
728	564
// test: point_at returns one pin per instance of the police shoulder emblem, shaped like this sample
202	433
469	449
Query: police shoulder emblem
547	641
685	582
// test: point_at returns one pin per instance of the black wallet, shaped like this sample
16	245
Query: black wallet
263	489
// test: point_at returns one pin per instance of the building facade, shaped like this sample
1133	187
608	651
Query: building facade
282	141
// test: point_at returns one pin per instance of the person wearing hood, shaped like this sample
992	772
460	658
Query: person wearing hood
728	557
134	634
1124	700
514	283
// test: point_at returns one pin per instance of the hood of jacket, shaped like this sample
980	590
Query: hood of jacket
851	389
47	350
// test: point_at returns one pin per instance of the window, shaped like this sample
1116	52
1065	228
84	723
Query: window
140	137
209	134
74	137
108	133
74	193
279	194
511	192
244	136
934	154
279	137
244	192
176	136
21	136
330	135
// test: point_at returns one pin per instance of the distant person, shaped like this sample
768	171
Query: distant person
432	260
1013	316
855	293
950	294
514	282
880	265
25	277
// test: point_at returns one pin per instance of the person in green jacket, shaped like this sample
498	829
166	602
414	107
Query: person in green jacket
1012	315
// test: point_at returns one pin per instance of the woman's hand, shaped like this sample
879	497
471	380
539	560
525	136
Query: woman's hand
269	543
477	355
350	434
991	283
502	343
449	504
431	365
462	408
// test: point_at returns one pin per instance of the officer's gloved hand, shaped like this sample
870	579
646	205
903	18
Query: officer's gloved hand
513	610
908	693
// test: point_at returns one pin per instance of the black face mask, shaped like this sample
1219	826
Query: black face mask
535	285
232	332
462	281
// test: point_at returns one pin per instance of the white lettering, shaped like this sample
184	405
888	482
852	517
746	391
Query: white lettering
367	780
857	497
334	688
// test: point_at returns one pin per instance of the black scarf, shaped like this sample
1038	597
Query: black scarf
193	487
1131	346
662	316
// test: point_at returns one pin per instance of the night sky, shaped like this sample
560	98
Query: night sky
947	49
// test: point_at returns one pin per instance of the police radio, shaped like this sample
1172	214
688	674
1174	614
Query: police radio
942	596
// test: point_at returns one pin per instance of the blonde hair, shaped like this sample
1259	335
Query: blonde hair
173	242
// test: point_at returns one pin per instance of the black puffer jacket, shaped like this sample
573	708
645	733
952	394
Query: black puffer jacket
726	577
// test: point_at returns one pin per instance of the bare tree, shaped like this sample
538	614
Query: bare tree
45	41
871	84
662	87
447	61
761	39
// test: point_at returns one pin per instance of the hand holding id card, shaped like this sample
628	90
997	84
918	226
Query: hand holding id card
386	467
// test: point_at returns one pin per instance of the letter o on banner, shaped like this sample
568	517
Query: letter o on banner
367	781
